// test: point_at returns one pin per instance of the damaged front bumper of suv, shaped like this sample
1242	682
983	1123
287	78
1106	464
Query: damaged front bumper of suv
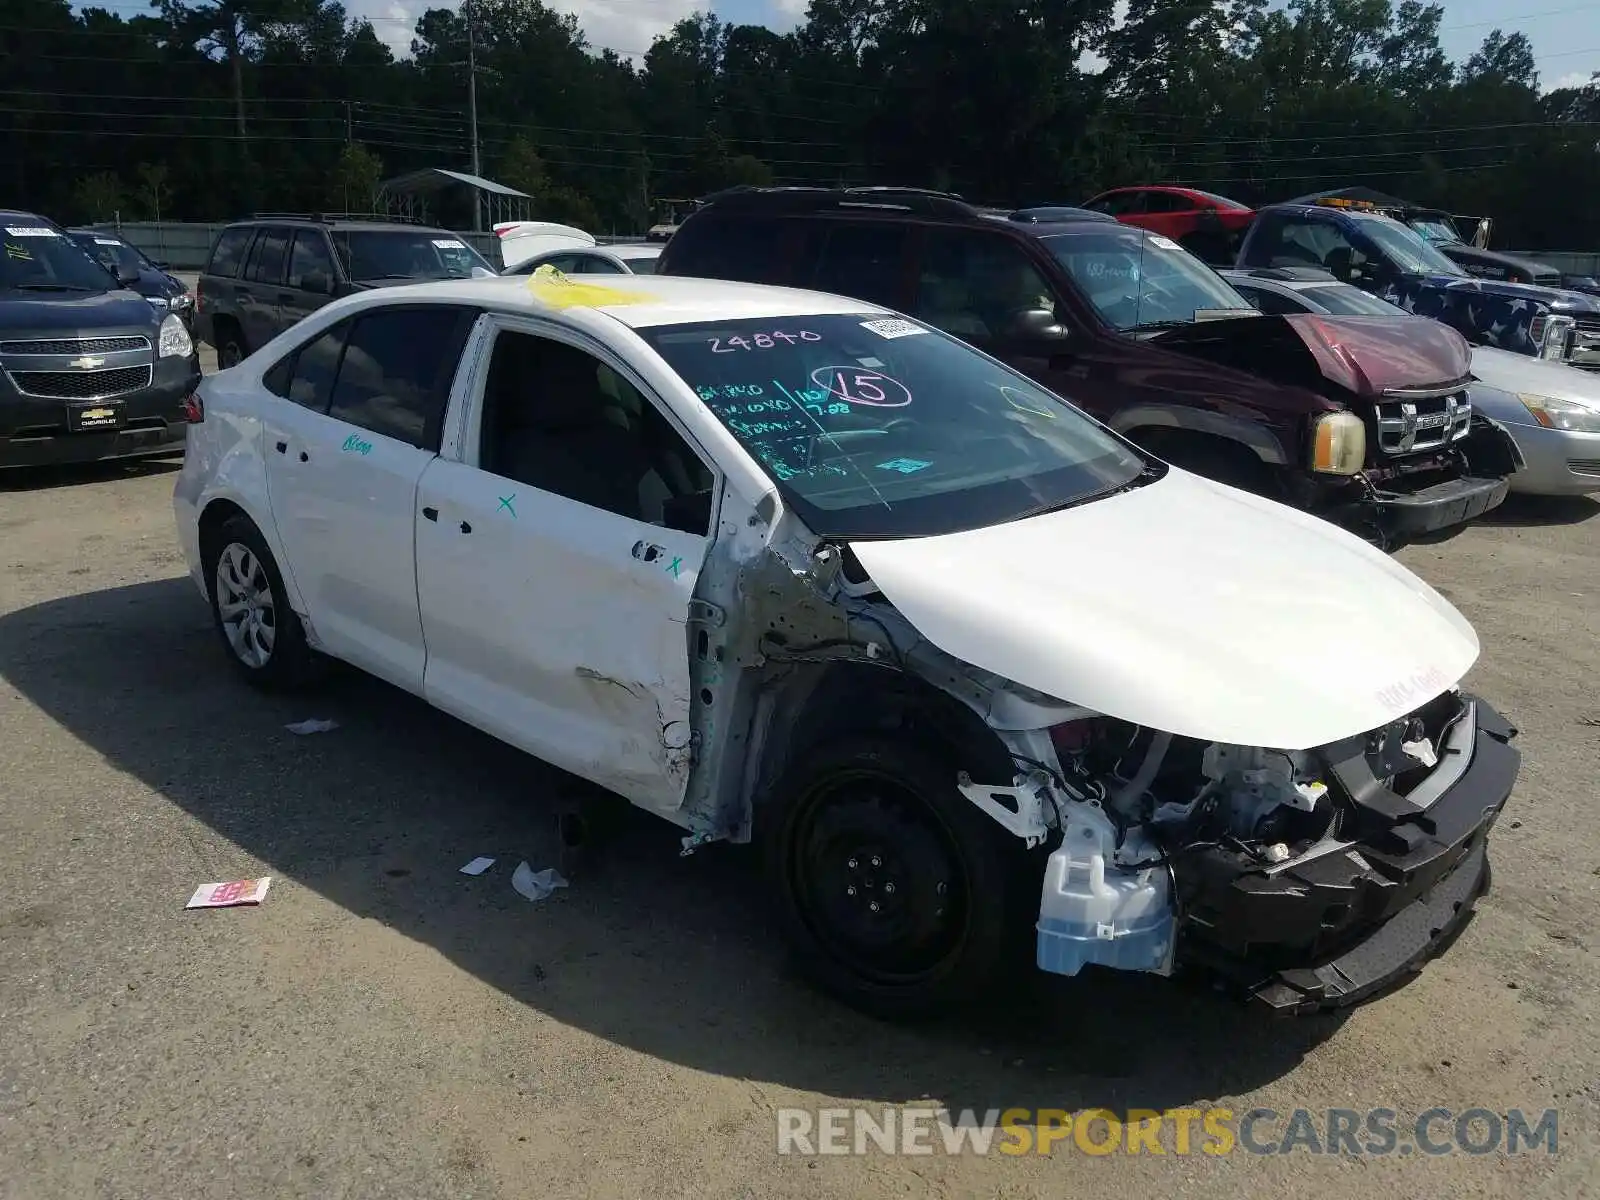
1389	855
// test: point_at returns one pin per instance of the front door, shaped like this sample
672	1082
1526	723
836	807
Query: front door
309	283
259	288
556	566
343	460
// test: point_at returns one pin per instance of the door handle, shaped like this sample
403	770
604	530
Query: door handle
283	447
431	513
465	528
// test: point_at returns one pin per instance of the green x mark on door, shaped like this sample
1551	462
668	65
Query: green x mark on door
509	504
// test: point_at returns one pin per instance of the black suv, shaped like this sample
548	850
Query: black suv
89	369
266	273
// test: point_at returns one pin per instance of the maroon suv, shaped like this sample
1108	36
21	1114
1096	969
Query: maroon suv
1364	420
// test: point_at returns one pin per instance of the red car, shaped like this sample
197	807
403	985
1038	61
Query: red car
1207	225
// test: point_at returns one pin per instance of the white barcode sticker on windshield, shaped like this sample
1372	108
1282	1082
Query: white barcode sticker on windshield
107	242
892	328
1164	243
31	231
449	243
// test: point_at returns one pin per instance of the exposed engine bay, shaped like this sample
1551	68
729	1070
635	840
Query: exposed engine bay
1259	858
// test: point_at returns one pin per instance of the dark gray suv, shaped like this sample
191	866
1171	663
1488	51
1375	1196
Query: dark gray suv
266	273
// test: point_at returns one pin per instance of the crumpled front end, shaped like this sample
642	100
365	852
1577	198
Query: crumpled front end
1306	879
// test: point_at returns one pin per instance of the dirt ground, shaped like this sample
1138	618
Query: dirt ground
383	1025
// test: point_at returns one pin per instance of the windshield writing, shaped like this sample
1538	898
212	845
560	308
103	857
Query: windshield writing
1135	279
40	258
887	428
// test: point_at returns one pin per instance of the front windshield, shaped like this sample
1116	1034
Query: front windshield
1343	300
39	258
880	427
1405	248
404	254
113	255
1138	280
1435	230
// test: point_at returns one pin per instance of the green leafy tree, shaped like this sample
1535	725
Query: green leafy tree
355	179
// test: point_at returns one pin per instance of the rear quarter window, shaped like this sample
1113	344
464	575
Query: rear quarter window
228	253
743	248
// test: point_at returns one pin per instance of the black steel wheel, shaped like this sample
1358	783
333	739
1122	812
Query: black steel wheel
897	895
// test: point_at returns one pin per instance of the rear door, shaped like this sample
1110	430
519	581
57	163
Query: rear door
556	565
343	464
259	286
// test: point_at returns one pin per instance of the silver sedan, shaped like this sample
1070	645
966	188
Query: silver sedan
1552	412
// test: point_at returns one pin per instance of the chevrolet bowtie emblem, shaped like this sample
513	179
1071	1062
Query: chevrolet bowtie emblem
87	363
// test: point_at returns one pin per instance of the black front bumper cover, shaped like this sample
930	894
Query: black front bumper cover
1336	929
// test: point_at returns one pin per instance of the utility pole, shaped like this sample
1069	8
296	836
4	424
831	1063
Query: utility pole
348	133
472	109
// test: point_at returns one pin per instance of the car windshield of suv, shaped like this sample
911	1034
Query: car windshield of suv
1138	280
370	254
111	253
879	427
1346	300
1404	246
1435	230
39	258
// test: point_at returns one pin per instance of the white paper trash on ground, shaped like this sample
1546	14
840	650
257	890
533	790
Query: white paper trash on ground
229	895
536	885
477	866
312	725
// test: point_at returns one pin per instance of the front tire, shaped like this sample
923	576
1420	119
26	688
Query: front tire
896	894
230	349
263	637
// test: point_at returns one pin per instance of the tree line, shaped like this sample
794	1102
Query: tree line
207	109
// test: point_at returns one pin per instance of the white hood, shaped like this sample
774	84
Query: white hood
1188	607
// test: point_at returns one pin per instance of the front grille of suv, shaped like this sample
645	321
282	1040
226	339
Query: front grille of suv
1410	424
81	385
101	345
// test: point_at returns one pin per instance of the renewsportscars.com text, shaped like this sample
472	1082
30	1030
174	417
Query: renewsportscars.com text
1373	1132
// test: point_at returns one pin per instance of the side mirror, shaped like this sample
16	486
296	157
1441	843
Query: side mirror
161	266
1037	323
317	281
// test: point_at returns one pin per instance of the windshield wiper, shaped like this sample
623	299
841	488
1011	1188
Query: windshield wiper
51	287
392	275
1148	473
1174	324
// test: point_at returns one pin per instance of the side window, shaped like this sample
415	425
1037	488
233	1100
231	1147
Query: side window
1167	202
266	263
1124	204
310	258
396	372
1273	303
558	419
864	261
313	368
1303	243
593	264
976	285
228	253
714	245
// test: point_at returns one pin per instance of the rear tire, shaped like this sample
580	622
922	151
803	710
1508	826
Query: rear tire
230	347
263	637
896	895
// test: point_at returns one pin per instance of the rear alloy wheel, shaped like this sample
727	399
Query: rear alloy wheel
250	608
898	896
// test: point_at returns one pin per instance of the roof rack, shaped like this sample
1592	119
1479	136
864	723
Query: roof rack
330	218
924	201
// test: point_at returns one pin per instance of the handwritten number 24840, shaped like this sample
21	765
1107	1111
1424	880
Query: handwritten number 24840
762	341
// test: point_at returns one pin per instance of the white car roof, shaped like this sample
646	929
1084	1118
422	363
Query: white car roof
637	301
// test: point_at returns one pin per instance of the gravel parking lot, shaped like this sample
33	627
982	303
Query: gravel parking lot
383	1025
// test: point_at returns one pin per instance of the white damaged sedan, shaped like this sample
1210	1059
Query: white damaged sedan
983	680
